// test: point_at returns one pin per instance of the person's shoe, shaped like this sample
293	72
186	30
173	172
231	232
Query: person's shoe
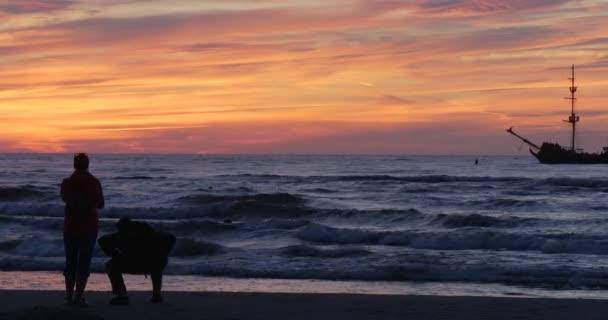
68	301
80	302
120	301
156	299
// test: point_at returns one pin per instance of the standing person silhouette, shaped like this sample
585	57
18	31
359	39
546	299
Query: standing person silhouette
83	195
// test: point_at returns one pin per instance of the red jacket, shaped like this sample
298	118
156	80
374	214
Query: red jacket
86	183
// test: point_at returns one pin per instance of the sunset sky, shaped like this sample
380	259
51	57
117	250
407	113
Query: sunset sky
299	76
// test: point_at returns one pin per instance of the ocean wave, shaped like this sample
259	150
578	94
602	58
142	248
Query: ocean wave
187	247
479	220
44	223
277	223
321	190
388	215
410	189
330	235
269	204
208	217
9	244
31	209
429	178
107	224
382	178
270	198
601	184
137	178
312	251
38	246
56	211
494	203
235	189
207	226
19	193
553	276
368	267
450	240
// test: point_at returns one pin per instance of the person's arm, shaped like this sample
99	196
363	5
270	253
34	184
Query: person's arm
99	195
110	245
64	190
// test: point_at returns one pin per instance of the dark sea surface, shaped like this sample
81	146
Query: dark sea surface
508	220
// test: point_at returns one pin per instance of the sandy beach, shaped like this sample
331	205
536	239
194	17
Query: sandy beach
206	305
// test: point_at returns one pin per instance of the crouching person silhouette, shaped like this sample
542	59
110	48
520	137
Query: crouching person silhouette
136	248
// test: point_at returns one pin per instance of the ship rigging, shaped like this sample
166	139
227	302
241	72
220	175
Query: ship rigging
553	153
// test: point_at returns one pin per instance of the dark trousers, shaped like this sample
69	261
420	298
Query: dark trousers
116	267
78	254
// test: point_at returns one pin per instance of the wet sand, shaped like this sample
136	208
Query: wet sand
209	305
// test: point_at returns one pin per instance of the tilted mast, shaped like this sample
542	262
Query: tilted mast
531	144
573	119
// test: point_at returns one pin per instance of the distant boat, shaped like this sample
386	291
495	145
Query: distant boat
553	153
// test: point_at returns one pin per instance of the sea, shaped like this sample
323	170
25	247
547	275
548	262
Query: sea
506	224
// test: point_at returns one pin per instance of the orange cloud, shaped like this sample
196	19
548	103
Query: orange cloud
303	77
33	6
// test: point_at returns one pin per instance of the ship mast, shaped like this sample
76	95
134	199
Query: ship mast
573	119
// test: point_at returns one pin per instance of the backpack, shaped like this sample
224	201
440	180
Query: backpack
142	241
79	206
138	248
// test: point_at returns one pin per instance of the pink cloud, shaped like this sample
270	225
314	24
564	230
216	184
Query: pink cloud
467	7
33	6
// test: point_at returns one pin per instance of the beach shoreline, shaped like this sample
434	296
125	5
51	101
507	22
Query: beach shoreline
22	304
98	282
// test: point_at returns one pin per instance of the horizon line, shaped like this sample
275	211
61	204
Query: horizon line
264	154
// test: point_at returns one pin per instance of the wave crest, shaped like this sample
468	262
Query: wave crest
458	240
312	251
478	220
18	193
186	247
258	204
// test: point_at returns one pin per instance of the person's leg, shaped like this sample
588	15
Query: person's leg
85	254
157	282
69	272
114	271
156	273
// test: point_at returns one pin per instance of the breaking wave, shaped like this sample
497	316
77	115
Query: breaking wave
504	203
137	178
19	193
479	220
458	240
267	198
9	244
258	204
206	226
371	178
576	182
186	247
311	251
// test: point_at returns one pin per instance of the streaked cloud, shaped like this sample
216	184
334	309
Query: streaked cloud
376	76
33	6
483	7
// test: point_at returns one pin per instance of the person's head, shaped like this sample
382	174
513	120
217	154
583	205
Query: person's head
81	161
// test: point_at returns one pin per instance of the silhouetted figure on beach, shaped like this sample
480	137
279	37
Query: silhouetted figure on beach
136	248
83	195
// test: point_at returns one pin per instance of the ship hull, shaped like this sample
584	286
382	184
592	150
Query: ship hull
551	153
